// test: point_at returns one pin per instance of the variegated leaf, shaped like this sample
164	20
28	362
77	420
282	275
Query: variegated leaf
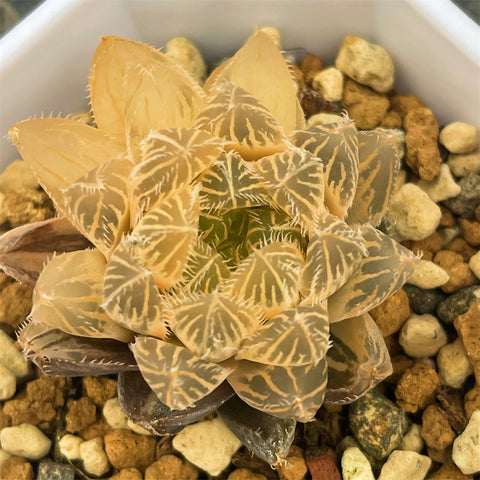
130	294
269	277
61	150
171	159
260	69
296	336
229	184
211	326
383	271
247	126
297	184
267	225
285	392
357	361
97	204
161	95
378	168
336	146
205	270
68	296
334	251
177	376
164	238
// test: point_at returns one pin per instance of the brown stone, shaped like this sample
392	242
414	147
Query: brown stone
468	328
5	419
459	272
170	467
417	387
21	410
427	247
16	468
245	474
449	471
128	474
27	206
100	389
472	400
126	449
402	104
422	154
391	314
451	400
470	231
15	304
294	467
48	389
96	429
400	363
447	219
322	463
460	246
297	75
477	212
436	430
310	66
365	107
80	414
392	119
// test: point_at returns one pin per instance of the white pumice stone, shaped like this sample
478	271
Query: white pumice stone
113	413
4	456
412	440
453	364
466	447
329	82
208	444
422	336
366	63
462	164
443	187
459	137
94	458
26	441
412	214
355	465
137	428
69	446
323	119
186	54
11	356
405	464
428	275
474	264
8	383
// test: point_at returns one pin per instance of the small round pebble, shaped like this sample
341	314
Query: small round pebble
392	313
329	82
459	137
442	187
466	447
423	300
422	336
378	439
355	465
448	471
436	430
245	474
406	465
465	203
458	303
4	456
186	54
453	364
412	213
470	231
208	444
11	356
113	413
170	467
324	118
322	463
463	164
8	383
16	468
128	474
427	275
69	446
137	428
26	441
412	440
459	273
100	389
93	456
294	467
365	62
48	470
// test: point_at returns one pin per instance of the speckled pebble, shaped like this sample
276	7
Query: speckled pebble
442	187
412	440
26	441
436	430
453	364
423	300
329	82
208	444
170	467
94	458
459	137
405	464
378	439
466	447
365	62
428	275
8	383
11	356
422	336
412	214
48	470
355	465
458	303
464	204
463	164
69	446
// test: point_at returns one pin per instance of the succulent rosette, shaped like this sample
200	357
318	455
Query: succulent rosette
209	240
